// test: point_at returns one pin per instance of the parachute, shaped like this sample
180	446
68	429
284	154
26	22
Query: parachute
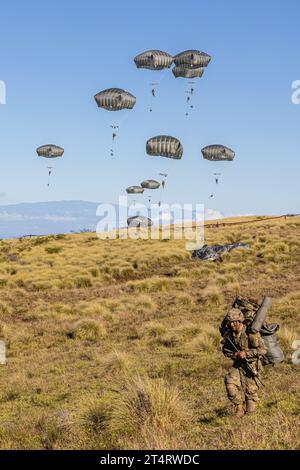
50	151
164	146
217	153
115	99
192	59
150	184
184	72
139	221
153	60
134	190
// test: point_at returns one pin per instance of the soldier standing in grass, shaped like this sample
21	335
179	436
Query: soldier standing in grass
242	347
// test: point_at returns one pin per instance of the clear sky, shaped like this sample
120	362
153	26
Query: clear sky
55	55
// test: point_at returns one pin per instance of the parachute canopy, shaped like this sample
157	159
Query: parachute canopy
217	153
135	190
185	72
50	151
115	99
153	60
150	184
165	146
192	59
139	221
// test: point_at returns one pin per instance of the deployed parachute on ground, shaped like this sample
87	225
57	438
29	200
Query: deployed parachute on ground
153	60
50	151
165	146
115	99
218	153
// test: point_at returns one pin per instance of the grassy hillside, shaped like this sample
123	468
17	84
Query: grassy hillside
115	343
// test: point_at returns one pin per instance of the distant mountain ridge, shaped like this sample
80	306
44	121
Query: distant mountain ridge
53	217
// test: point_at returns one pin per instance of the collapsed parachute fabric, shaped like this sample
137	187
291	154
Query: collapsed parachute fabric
150	184
164	146
218	153
134	190
115	99
139	221
185	72
192	59
153	60
215	252
50	151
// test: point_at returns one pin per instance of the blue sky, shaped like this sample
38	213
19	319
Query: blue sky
55	55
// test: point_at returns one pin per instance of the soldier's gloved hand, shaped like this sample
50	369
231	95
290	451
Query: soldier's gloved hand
241	355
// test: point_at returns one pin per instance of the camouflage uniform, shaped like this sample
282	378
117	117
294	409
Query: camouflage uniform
240	385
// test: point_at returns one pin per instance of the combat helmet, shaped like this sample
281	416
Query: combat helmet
235	314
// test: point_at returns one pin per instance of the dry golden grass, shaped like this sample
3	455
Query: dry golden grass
115	343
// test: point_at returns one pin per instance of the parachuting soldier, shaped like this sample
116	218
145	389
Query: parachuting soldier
246	349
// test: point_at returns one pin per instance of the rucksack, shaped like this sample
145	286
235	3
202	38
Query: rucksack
255	320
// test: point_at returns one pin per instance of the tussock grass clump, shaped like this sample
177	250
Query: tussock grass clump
208	340
5	309
83	282
96	415
155	284
287	336
184	299
53	249
116	361
144	304
49	431
88	330
211	296
145	409
154	329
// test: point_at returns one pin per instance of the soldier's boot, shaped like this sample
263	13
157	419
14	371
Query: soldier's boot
251	406
239	411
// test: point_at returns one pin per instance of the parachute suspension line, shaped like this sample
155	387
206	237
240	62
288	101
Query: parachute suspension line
50	168
115	129
216	183
189	102
154	87
217	177
162	186
153	95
